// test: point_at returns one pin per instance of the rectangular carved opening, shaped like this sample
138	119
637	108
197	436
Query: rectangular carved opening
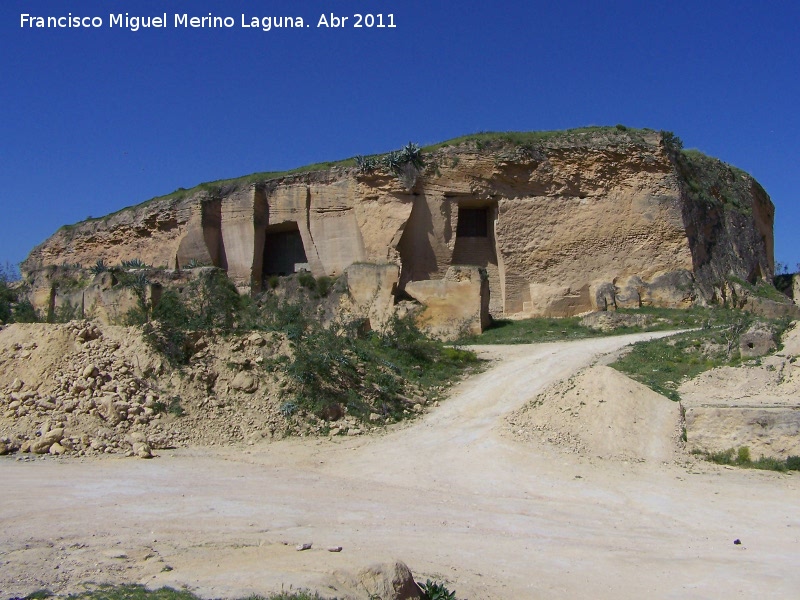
472	222
283	249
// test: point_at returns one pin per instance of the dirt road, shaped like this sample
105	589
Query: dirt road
449	495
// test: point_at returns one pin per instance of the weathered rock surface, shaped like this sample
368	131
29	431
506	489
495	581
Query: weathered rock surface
387	581
758	340
575	222
454	306
756	405
372	289
609	321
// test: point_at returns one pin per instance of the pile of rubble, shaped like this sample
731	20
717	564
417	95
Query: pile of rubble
86	389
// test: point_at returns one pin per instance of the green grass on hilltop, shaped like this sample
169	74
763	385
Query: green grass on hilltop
532	138
519	138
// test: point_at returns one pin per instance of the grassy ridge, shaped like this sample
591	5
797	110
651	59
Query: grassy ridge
519	138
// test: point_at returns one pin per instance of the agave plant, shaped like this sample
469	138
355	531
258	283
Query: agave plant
134	263
99	267
366	164
412	154
393	161
434	590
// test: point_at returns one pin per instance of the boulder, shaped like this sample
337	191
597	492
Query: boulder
455	305
758	340
387	581
554	300
245	382
609	321
371	288
57	449
142	450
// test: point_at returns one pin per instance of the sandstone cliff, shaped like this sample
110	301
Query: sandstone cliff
562	222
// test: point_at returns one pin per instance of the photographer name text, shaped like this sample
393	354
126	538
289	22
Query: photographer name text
209	21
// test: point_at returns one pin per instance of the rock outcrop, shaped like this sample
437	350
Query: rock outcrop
755	405
562	223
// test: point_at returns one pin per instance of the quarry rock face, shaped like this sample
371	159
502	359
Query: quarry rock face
575	222
454	306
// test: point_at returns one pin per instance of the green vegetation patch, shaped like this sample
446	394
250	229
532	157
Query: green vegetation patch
663	364
14	307
431	589
711	181
343	367
579	135
762	289
741	458
532	331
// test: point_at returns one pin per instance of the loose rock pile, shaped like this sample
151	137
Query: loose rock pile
85	389
96	384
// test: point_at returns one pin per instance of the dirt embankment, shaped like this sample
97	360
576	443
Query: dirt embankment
85	389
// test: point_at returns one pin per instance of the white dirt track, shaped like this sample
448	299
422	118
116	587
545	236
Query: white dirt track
449	494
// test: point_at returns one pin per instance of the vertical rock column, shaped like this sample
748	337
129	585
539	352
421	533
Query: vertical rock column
242	227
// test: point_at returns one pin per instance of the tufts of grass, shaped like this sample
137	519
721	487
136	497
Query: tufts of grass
663	364
577	135
531	331
762	289
741	458
708	180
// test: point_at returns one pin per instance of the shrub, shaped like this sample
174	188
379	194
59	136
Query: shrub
213	302
671	141
307	280
743	455
24	312
64	313
7	298
324	285
793	463
741	458
174	407
195	264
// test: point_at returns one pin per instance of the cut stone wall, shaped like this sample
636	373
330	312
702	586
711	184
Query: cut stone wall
595	222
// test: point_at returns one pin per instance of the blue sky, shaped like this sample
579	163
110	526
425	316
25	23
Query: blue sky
97	119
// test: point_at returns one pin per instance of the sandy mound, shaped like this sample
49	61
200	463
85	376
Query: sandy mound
601	412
